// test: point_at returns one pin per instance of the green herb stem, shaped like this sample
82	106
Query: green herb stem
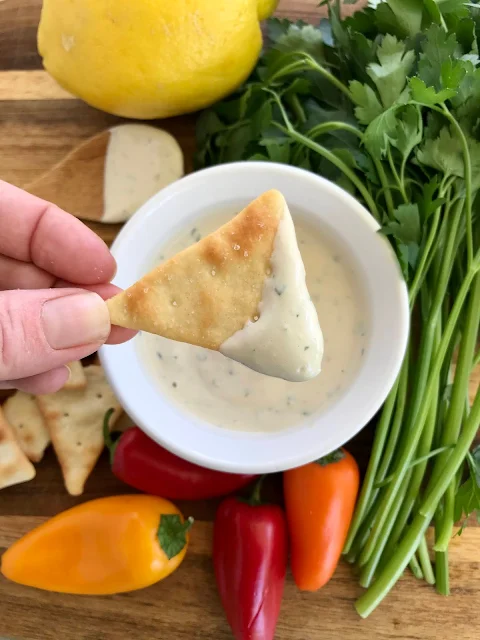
385	186
367	489
425	562
335	160
442	578
410	542
419	405
456	409
331	78
415	567
368	571
398	179
432	454
468	180
424	447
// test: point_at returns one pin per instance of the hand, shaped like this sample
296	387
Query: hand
54	275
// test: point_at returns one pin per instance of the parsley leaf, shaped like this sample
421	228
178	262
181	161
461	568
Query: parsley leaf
409	130
368	105
467	500
304	38
406	226
381	131
428	96
389	75
437	48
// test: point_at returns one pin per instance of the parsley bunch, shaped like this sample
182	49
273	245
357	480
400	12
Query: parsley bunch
386	103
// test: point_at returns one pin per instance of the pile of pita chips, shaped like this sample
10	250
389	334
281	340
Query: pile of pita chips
209	291
23	415
15	467
74	419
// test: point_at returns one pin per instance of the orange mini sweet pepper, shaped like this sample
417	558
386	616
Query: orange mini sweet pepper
104	546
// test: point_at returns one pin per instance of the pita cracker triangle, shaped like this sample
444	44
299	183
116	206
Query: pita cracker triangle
15	467
74	419
207	292
224	293
23	414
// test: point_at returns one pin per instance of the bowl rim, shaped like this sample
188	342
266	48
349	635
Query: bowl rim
221	448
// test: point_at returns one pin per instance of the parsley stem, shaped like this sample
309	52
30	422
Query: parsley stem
456	408
327	127
424	447
385	185
415	567
419	405
442	580
328	155
380	457
409	543
368	483
468	180
431	454
421	269
395	175
326	74
368	571
425	561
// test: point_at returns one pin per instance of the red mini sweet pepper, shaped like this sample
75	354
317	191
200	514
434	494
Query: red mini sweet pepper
143	464
250	561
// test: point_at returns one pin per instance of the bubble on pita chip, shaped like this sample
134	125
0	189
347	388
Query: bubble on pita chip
15	467
22	413
74	419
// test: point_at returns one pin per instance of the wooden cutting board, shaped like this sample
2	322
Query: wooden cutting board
39	124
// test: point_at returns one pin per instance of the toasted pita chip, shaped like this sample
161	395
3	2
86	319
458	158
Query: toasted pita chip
15	467
77	379
22	413
207	292
74	419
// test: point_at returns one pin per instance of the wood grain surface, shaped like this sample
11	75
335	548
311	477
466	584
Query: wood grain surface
39	124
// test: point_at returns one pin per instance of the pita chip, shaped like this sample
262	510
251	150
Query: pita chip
15	467
74	419
241	291
24	416
77	379
207	292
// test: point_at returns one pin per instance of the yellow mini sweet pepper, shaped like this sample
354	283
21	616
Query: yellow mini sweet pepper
105	546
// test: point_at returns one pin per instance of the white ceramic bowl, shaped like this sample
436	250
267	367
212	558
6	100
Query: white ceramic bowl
175	207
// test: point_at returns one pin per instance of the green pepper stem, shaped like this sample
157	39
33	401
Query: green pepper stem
107	438
255	499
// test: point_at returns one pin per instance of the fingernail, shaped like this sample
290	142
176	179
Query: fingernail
75	320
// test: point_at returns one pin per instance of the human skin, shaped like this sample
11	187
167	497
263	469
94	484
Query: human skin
54	277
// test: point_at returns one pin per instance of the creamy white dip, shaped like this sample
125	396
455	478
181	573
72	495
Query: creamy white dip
285	340
228	394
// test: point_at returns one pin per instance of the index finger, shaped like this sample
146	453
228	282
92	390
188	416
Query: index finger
32	230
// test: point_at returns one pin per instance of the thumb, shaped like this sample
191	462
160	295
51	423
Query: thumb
44	329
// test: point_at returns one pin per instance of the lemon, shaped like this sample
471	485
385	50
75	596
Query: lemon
266	8
151	58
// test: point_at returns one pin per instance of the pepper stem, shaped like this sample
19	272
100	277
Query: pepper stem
334	456
107	438
172	533
255	500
